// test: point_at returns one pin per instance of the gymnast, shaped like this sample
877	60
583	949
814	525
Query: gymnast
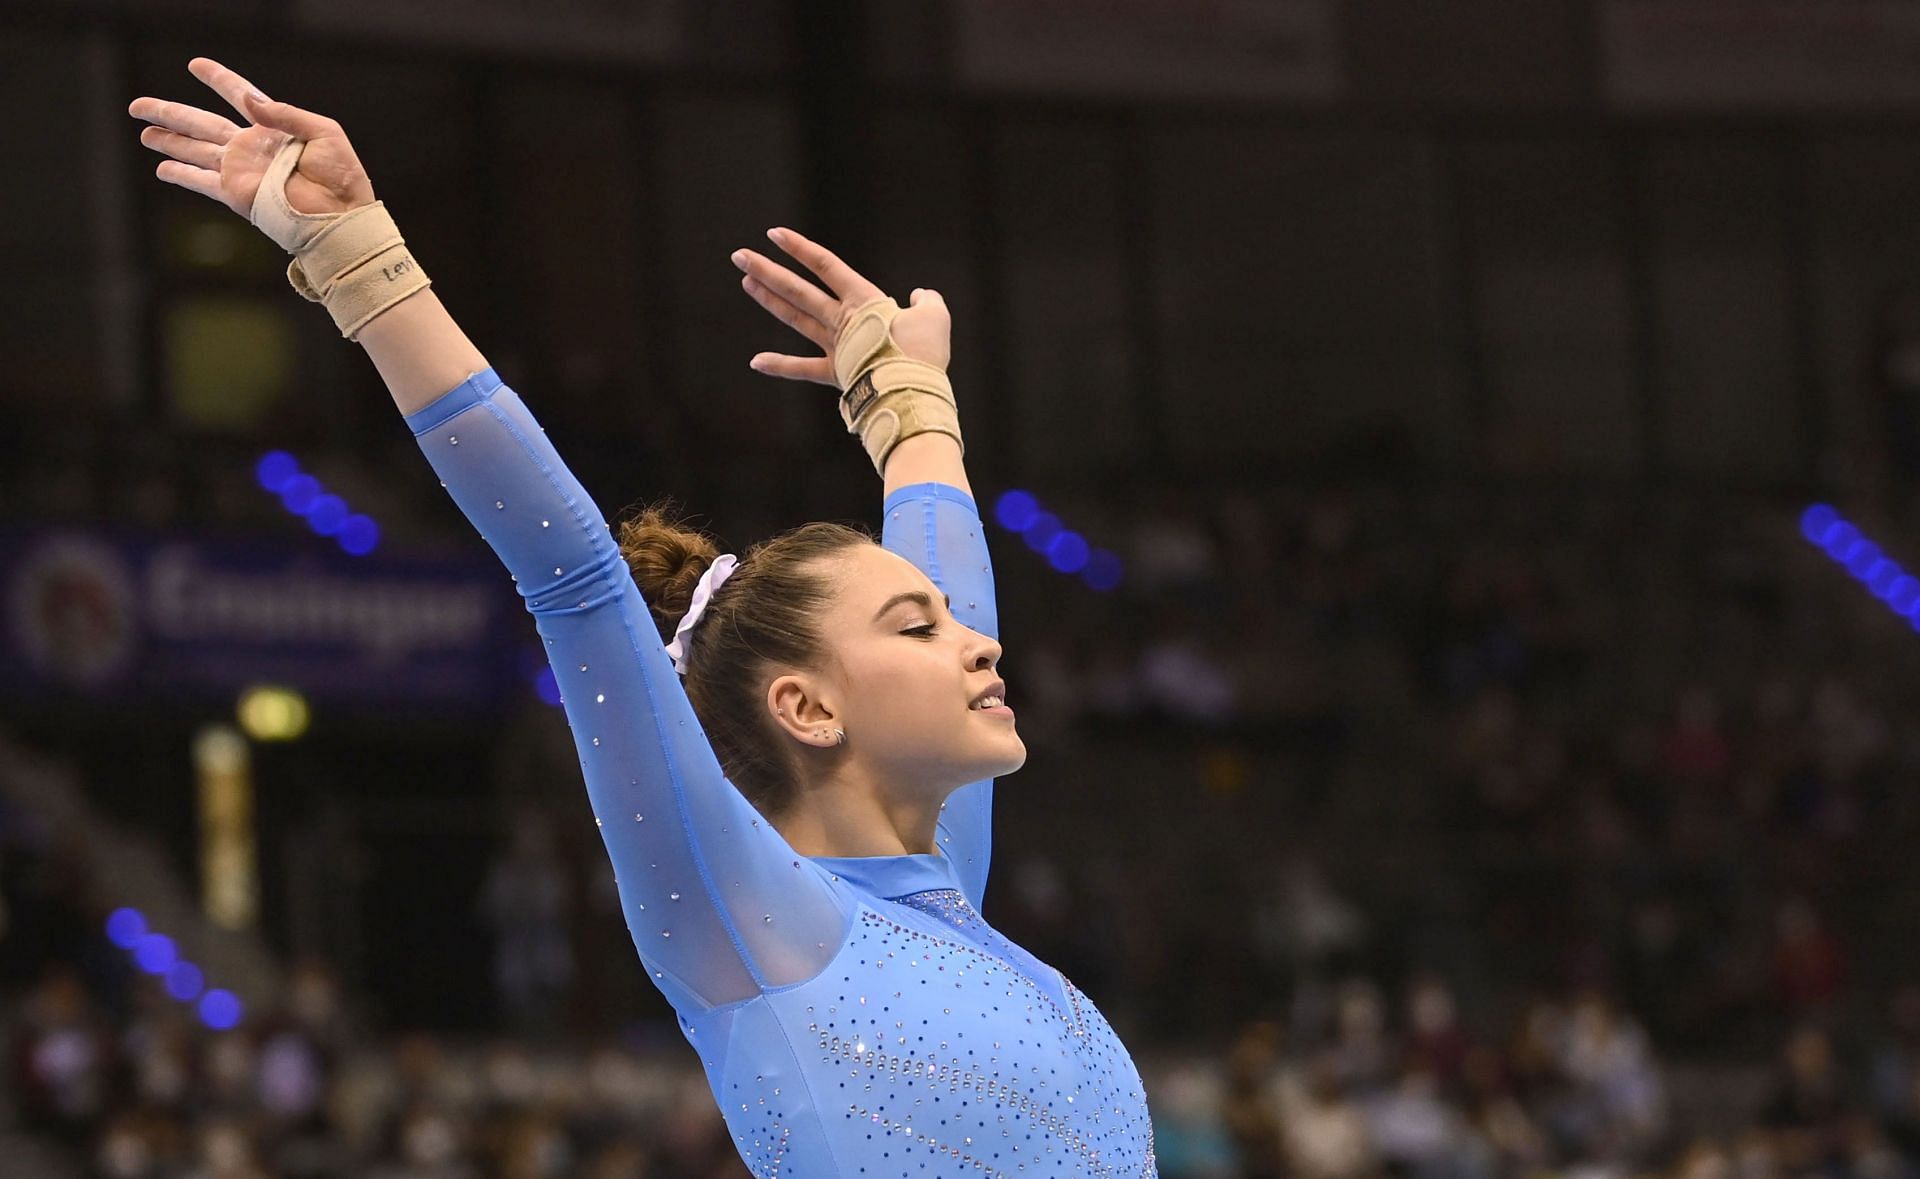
790	753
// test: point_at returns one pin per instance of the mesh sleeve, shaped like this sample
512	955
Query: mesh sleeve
720	906
938	528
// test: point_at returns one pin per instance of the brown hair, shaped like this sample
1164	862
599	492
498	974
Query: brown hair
765	615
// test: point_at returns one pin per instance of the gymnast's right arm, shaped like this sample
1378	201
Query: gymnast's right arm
718	903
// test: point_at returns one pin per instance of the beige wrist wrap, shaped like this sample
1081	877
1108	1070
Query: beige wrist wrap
888	396
355	263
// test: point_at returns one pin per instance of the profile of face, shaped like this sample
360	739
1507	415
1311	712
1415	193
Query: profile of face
900	678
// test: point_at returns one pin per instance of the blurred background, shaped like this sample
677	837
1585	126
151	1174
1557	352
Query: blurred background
1452	475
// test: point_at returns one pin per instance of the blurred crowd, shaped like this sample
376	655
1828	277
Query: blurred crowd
1534	804
1559	738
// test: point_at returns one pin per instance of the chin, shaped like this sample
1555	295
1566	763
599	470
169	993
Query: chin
1013	761
999	766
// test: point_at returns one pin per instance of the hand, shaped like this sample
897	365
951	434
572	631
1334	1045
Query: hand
226	162
923	331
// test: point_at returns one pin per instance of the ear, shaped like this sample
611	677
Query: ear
802	708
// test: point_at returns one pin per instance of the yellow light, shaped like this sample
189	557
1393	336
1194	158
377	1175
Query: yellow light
229	875
269	713
228	359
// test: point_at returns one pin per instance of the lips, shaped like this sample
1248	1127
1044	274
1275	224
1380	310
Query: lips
995	690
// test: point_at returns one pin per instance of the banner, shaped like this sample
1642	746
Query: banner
116	617
1761	54
1209	49
618	30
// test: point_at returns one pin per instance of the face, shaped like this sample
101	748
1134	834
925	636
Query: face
900	677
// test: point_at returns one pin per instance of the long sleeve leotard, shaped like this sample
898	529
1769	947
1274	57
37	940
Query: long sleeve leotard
855	1015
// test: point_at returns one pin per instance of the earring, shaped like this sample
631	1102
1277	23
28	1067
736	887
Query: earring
842	735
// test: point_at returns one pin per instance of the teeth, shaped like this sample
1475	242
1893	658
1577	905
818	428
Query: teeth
987	702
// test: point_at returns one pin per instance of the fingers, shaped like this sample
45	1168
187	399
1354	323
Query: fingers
257	107
284	116
229	85
840	278
187	120
794	289
787	313
200	180
817	369
184	148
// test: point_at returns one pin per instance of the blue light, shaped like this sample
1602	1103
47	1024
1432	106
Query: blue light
1903	595
1815	521
327	514
547	686
275	469
1040	533
1103	571
1069	552
154	953
1015	510
1839	539
359	534
185	981
1043	532
1860	558
125	927
1863	560
220	1009
299	493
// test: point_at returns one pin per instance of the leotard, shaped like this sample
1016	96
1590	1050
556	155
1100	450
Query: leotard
856	1016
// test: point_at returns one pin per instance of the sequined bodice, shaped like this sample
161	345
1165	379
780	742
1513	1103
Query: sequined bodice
950	906
844	1033
938	1047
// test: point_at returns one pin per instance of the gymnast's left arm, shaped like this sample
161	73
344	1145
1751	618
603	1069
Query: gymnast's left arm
930	518
891	364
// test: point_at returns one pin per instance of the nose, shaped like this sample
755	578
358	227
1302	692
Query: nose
985	654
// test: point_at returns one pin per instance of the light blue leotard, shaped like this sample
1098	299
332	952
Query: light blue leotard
855	1016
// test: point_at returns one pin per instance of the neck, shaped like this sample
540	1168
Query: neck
846	819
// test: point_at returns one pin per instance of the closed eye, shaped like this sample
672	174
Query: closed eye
925	631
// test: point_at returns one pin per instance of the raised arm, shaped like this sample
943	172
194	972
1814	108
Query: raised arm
935	525
719	905
928	514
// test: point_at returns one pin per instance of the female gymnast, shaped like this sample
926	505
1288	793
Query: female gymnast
791	757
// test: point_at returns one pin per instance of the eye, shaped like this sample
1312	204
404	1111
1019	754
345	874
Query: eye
924	631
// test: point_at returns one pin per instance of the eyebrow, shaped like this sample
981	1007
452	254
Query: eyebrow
911	596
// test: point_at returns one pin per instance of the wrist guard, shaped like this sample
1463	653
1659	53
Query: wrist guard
354	263
888	396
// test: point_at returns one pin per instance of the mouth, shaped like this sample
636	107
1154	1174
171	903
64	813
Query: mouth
993	701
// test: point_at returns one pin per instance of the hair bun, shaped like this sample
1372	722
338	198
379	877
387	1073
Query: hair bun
667	560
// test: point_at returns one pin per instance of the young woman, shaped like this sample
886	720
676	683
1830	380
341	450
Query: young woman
796	790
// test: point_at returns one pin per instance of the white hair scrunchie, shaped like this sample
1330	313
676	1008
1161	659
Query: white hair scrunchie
710	582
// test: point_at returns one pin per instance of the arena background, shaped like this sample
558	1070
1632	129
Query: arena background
1453	468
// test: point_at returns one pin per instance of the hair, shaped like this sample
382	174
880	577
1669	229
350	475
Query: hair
766	615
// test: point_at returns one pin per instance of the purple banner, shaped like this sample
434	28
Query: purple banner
122	617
